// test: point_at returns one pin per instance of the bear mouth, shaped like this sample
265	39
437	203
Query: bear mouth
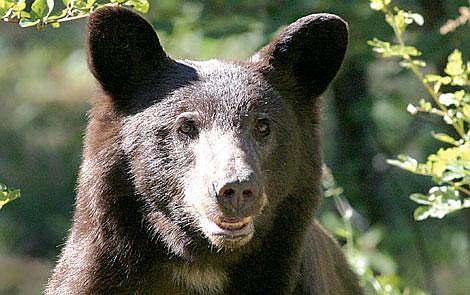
233	226
229	233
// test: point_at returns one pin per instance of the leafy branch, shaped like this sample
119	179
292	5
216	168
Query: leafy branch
449	167
41	12
7	195
375	269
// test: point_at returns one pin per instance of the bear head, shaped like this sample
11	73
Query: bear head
211	155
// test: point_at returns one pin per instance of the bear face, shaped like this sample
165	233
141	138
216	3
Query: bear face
207	152
214	146
203	176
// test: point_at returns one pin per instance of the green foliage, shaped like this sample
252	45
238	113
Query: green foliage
449	167
7	195
376	269
41	12
46	89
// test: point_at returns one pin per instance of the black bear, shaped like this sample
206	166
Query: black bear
203	177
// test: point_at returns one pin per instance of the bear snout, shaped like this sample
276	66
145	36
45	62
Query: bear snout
228	222
239	198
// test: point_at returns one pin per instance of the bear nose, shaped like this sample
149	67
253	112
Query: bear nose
237	198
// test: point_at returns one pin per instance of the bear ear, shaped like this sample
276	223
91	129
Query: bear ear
304	58
124	53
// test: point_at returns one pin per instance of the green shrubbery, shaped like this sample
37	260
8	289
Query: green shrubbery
42	13
377	270
448	99
449	167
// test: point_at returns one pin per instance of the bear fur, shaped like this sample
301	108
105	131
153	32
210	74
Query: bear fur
203	177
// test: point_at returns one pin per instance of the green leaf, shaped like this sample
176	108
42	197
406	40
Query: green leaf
53	18
425	105
24	22
405	163
446	80
342	232
454	64
466	203
420	199
444	200
452	176
447	99
42	8
388	50
19	6
399	50
24	14
5	6
445	138
411	109
419	62
417	18
421	213
379	4
466	112
7	195
139	5
432	78
459	95
409	64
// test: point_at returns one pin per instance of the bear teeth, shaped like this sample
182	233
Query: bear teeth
231	223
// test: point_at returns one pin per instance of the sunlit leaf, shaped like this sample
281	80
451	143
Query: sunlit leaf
139	5
466	112
19	6
421	213
445	138
420	199
454	65
7	195
419	63
405	162
446	80
417	18
40	12
432	78
5	6
379	4
42	8
411	109
452	176
52	18
425	105
447	99
342	232
24	22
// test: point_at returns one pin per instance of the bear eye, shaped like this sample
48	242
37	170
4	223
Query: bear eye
187	128
262	127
